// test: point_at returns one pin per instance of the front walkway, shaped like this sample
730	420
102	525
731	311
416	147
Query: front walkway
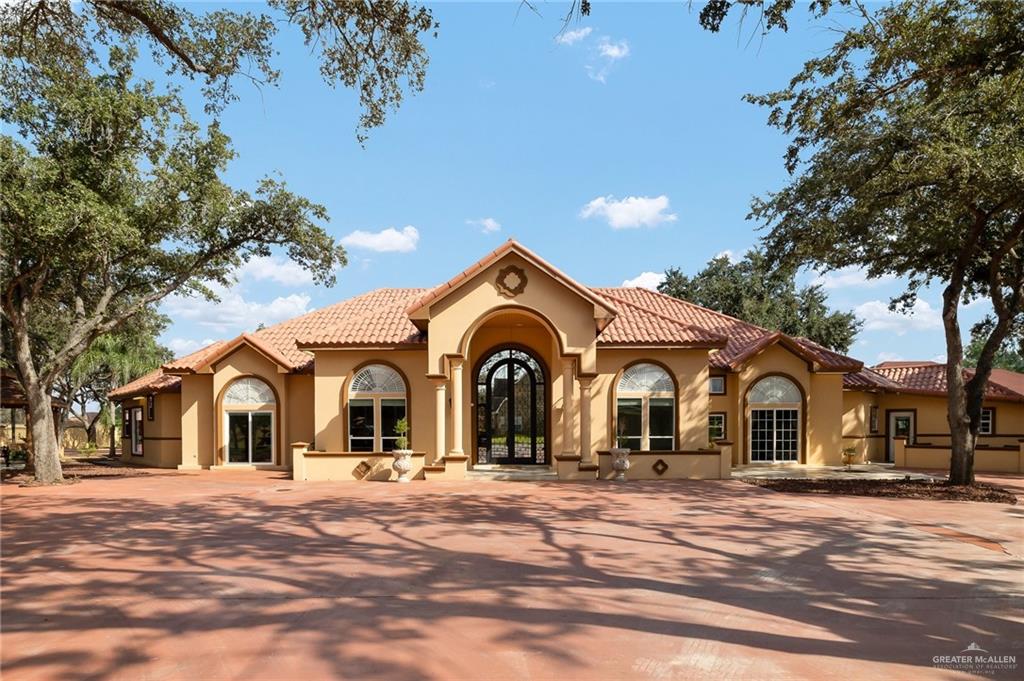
868	471
253	576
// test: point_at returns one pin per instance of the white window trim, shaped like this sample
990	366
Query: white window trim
645	417
227	435
378	437
725	423
991	421
711	383
138	448
774	407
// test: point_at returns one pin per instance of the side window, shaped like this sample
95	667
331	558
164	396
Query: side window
987	425
716	426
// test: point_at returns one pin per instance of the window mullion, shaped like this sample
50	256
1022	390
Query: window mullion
378	444
645	423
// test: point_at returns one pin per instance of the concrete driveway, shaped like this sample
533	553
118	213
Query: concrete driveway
253	576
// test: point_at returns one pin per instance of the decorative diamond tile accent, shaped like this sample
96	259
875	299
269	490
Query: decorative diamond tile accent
660	466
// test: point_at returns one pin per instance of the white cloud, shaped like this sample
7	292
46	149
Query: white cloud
279	270
888	357
184	346
850	277
630	212
233	314
878	317
388	240
486	225
572	37
614	51
605	56
727	254
649	280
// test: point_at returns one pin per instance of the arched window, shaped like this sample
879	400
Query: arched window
249	391
645	408
775	403
775	390
249	405
376	402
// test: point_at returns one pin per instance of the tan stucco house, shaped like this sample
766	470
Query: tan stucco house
513	363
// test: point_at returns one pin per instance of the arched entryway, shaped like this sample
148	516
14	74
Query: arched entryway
775	406
511	384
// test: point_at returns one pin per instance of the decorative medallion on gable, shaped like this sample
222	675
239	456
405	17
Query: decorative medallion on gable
511	281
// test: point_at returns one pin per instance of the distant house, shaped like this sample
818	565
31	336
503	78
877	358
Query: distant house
514	363
908	400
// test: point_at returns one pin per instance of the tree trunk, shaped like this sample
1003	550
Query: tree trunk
44	454
113	428
44	435
962	437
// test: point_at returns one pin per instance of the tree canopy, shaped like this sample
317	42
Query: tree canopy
907	158
757	291
110	191
374	46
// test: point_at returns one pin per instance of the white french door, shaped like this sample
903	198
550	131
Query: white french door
775	435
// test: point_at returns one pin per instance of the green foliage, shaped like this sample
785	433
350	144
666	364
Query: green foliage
116	201
1010	354
757	291
402	431
907	157
374	47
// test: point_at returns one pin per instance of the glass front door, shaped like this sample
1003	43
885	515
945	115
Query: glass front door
901	424
250	437
511	409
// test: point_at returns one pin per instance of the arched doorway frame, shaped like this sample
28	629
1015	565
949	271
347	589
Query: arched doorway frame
545	399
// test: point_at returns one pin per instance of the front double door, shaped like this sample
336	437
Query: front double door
511	409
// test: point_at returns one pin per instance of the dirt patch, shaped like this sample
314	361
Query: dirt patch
909	489
79	469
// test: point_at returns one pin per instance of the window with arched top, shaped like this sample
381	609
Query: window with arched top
249	405
376	403
645	408
249	390
775	404
774	390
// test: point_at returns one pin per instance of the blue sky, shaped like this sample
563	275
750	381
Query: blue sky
615	150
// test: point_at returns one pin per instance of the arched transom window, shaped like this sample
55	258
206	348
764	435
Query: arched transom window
249	391
249	405
645	409
775	390
376	403
775	403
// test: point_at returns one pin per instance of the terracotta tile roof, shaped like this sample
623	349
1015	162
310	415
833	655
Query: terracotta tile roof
929	378
1011	380
438	292
743	340
380	318
637	325
195	359
869	380
377	318
155	381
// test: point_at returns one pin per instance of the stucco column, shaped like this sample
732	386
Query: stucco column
439	399
585	446
567	408
457	406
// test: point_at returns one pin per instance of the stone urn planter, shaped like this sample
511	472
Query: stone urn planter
402	464
403	455
620	463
